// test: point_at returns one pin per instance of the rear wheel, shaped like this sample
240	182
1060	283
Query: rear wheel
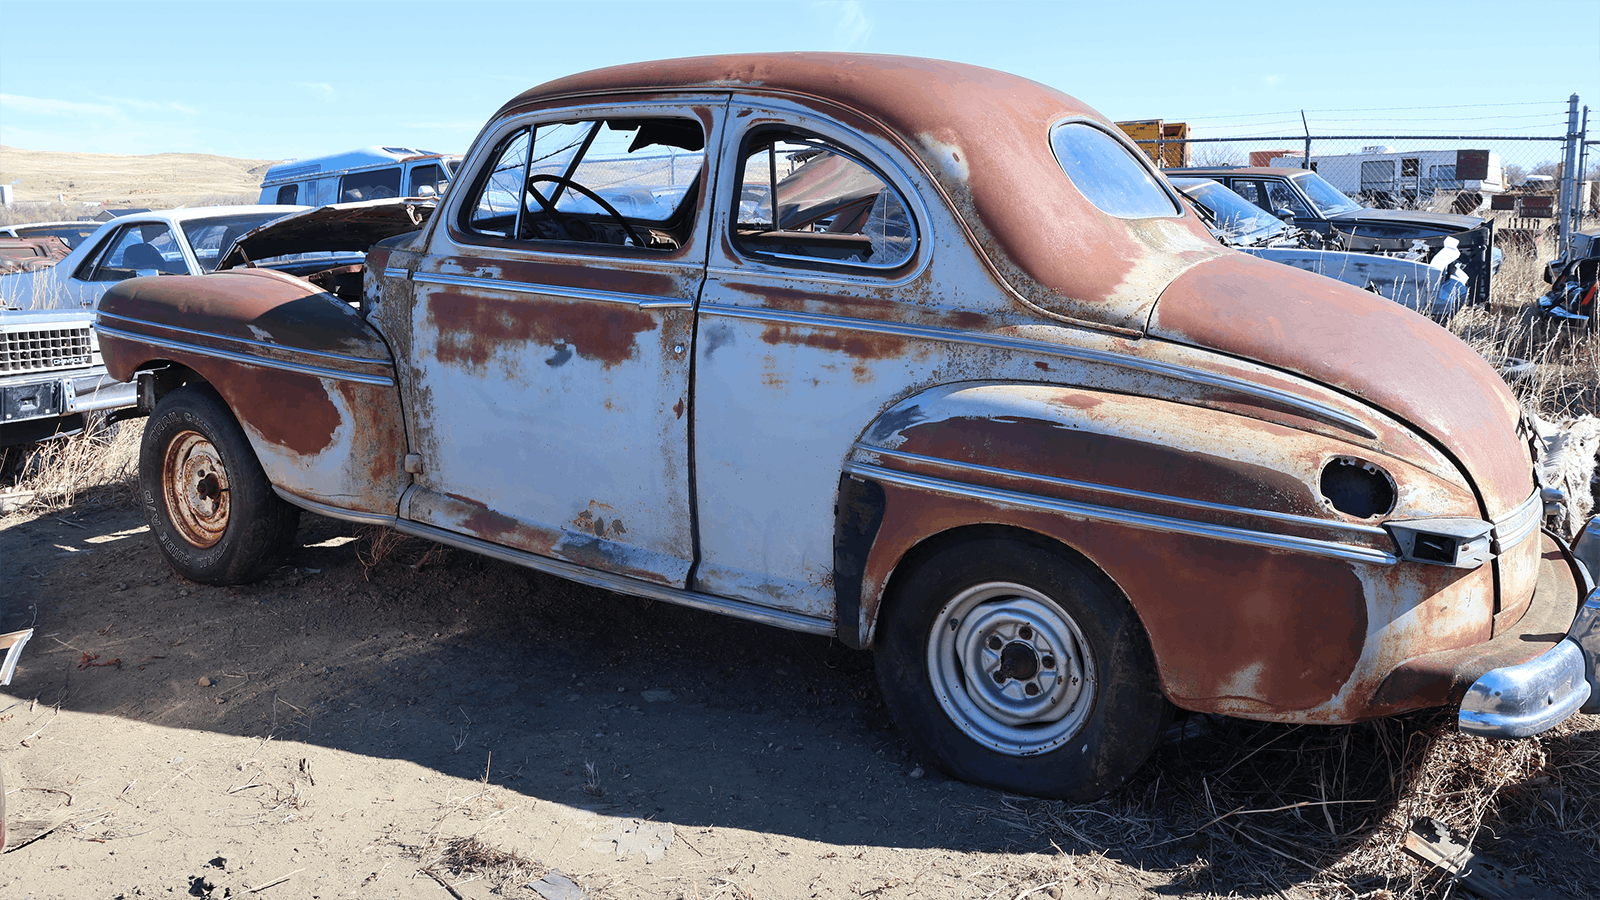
1015	664
208	502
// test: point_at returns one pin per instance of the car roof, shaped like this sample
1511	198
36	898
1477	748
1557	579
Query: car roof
191	213
1234	170
984	136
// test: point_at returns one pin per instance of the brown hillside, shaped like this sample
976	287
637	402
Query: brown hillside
159	180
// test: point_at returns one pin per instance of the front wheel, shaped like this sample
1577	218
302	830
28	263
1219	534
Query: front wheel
207	501
1015	664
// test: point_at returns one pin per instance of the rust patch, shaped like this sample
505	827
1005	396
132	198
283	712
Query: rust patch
854	344
472	328
288	409
1041	365
677	408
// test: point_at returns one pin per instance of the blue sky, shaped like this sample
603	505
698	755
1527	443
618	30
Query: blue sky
290	79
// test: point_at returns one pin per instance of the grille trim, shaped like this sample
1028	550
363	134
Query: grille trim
44	350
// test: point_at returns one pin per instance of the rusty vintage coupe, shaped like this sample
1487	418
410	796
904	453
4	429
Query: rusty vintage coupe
917	355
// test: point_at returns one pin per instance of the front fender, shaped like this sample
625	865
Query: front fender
311	383
1258	596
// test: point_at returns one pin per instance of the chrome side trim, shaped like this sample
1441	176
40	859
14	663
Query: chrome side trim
642	301
334	512
1309	409
262	362
738	609
1288	518
1092	513
246	342
392	272
1515	526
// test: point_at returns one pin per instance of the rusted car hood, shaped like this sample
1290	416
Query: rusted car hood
1364	345
338	226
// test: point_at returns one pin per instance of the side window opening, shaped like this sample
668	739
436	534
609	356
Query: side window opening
1108	174
378	184
147	249
624	182
804	197
288	195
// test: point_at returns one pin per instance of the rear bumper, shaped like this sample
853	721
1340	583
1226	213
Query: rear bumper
1525	699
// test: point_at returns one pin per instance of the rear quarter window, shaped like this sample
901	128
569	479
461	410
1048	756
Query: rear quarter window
1108	174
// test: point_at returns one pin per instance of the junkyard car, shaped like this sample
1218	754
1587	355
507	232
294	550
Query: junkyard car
51	376
1305	200
1574	280
74	233
169	242
30	254
1023	428
1435	288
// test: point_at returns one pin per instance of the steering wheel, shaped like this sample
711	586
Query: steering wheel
566	221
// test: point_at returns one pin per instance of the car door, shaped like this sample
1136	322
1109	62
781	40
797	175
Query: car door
549	388
792	360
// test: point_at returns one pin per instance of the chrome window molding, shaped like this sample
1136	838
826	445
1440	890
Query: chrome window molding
1286	518
1092	513
248	359
640	301
392	272
1309	409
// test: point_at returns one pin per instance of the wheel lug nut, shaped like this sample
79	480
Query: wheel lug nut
999	678
1049	662
994	642
1026	633
1032	690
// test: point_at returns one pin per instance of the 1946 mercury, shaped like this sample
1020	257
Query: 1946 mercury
919	355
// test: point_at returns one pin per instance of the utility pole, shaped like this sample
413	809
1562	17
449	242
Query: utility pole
1569	176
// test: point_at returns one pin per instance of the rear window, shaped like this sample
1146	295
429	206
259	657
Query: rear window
1109	175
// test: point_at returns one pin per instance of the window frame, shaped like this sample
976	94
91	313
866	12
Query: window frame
738	148
461	199
1139	156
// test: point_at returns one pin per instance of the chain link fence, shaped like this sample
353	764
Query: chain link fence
1520	180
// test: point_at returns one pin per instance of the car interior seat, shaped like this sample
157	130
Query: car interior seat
143	256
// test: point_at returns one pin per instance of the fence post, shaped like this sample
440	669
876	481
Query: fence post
1306	163
1569	189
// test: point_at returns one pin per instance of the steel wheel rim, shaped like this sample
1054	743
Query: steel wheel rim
1011	668
196	487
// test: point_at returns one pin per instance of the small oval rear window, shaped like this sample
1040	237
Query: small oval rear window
1108	174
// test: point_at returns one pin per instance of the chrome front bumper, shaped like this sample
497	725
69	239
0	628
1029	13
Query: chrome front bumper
1523	700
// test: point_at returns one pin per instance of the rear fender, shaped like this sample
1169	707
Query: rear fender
1211	523
311	383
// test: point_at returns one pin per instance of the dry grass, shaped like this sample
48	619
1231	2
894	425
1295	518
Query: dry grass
99	463
1259	809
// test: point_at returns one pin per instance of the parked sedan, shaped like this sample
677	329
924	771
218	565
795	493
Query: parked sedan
170	242
73	233
1006	414
1436	288
1303	199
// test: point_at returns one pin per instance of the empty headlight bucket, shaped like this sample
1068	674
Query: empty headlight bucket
1356	487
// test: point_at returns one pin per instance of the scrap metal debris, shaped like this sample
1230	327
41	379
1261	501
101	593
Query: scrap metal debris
636	836
1433	842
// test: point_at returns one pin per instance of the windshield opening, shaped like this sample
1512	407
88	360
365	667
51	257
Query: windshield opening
210	238
1325	197
1231	217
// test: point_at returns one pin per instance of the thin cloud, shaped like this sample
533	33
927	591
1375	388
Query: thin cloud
321	90
42	106
851	25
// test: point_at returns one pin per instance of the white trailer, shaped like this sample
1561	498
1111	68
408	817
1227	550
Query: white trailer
1385	177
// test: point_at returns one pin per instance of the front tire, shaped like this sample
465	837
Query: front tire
1013	663
205	496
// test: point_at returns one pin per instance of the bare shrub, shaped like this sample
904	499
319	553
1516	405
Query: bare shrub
100	459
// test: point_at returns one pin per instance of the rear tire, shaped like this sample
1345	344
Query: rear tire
1013	663
205	496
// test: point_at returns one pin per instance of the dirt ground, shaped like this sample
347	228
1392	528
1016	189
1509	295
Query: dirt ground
383	730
